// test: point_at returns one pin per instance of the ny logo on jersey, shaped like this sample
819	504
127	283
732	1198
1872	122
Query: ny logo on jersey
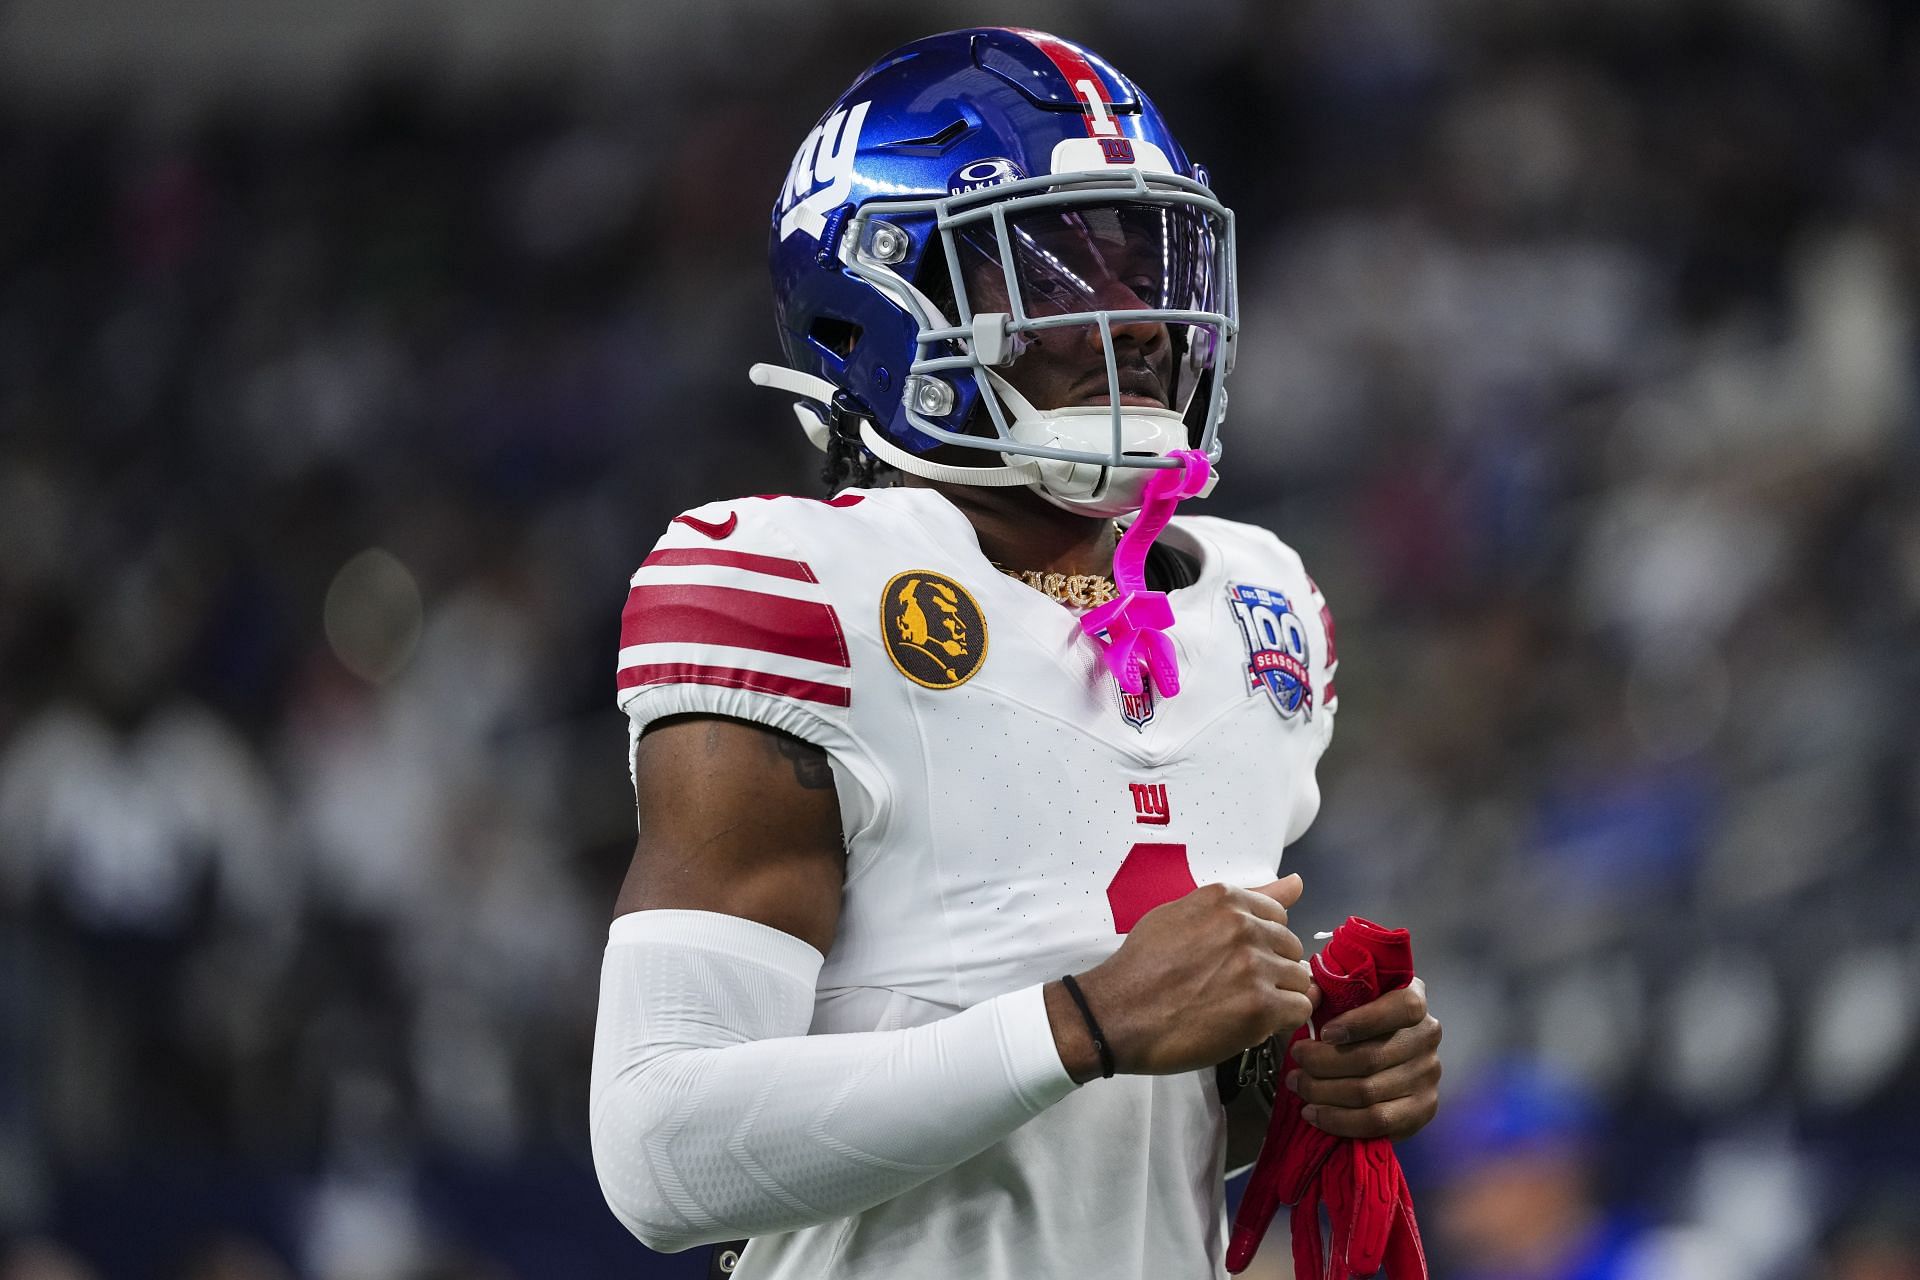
822	172
1150	803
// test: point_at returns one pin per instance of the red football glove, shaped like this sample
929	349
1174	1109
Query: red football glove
1360	1182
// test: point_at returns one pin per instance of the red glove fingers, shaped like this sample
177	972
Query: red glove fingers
1289	1160
1365	1191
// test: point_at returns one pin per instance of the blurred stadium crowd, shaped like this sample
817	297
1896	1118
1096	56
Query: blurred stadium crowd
1582	364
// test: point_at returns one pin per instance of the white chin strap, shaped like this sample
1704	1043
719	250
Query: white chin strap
817	393
1018	470
1086	488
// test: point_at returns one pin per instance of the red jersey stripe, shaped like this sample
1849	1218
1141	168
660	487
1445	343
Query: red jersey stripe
735	678
771	565
838	500
678	613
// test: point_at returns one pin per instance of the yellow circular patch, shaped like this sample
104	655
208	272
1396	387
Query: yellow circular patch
934	631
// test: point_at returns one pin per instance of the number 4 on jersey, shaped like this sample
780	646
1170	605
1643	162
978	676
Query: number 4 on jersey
1149	875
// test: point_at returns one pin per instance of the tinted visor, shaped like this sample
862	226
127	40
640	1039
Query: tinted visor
1095	257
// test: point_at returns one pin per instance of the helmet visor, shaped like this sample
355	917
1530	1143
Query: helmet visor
1099	264
1084	258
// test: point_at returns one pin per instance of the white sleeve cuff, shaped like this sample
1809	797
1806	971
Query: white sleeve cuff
748	941
1026	1038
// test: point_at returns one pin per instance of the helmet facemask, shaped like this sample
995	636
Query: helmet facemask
1133	270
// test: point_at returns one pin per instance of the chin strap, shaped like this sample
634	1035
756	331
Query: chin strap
987	477
1134	645
816	397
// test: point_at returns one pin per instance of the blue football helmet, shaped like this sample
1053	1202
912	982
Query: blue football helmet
970	192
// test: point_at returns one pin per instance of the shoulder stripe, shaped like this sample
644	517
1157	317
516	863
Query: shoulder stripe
773	566
719	575
734	678
837	500
683	613
721	655
1332	662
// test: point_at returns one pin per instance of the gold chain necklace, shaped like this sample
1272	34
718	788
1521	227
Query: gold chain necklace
1080	590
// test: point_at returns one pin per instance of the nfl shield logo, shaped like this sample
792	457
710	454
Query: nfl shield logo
1277	658
1135	708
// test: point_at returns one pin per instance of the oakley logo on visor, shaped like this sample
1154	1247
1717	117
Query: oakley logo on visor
982	174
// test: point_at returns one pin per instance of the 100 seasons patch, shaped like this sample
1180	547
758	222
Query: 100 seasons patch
934	631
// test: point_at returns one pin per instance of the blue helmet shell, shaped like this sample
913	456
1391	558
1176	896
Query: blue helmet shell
951	115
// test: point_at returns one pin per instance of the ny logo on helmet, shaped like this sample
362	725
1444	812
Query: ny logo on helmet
822	172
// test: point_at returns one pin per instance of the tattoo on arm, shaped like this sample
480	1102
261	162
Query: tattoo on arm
810	767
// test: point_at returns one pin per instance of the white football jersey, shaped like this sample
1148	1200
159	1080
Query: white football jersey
1008	816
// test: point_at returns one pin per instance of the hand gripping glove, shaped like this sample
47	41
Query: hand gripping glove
1360	1182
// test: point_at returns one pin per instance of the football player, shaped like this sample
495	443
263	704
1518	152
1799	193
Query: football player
942	917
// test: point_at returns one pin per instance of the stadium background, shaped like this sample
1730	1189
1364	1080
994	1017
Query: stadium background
351	356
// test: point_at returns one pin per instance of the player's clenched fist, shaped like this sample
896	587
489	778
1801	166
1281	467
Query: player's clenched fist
1197	980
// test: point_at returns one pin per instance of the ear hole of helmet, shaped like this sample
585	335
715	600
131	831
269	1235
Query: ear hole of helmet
835	336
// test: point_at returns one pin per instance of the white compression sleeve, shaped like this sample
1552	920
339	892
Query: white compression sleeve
714	1115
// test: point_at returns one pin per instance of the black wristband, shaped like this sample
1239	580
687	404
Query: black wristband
1093	1028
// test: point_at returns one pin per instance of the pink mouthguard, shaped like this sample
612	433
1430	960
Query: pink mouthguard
1135	646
